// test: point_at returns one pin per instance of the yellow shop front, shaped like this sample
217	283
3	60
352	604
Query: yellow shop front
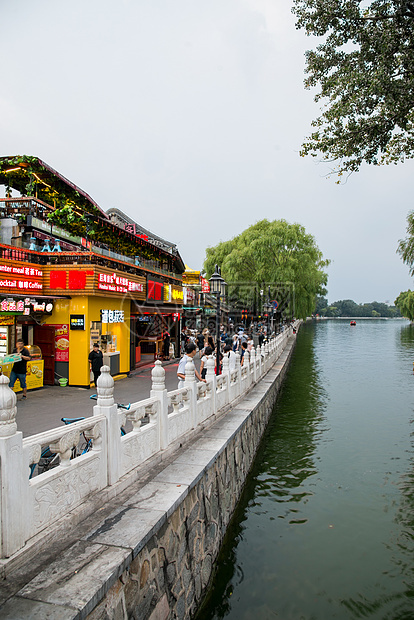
97	311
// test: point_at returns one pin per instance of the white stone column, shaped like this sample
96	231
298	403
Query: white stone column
226	375
259	357
159	392
106	406
14	476
212	382
190	385
238	368
253	362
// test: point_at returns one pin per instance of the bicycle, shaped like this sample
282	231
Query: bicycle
48	459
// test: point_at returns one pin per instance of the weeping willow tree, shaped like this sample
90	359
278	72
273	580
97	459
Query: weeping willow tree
405	304
274	254
405	300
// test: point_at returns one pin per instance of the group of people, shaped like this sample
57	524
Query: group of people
203	344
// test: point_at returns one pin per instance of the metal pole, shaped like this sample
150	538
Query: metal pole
218	333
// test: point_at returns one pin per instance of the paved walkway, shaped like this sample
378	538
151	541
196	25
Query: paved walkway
44	408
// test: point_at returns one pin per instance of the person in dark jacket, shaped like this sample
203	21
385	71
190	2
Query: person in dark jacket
19	368
166	345
95	362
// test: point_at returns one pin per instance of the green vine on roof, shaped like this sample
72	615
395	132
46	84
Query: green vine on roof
85	225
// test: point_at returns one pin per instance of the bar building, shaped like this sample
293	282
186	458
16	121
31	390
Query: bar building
72	274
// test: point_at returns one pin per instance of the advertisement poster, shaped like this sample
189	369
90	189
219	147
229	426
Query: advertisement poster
34	375
62	343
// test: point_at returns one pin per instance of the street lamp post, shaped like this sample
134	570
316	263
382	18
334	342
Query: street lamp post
218	288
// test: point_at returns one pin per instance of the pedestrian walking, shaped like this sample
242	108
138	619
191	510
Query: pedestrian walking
19	368
200	341
190	351
231	355
166	345
243	350
203	369
96	362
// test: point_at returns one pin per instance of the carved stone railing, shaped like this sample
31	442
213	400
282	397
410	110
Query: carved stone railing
30	505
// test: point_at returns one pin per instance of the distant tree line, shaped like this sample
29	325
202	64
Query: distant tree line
348	308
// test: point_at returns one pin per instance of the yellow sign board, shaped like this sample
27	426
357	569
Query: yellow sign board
34	375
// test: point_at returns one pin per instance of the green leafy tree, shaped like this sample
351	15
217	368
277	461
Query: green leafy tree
363	68
348	308
321	305
275	254
405	303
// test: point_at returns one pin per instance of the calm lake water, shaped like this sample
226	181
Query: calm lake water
325	527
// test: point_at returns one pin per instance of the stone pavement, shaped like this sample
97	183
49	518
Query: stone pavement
44	408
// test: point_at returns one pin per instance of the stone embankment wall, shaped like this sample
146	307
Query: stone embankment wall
169	574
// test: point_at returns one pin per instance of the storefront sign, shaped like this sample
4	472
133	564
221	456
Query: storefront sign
62	342
119	284
6	320
54	231
20	278
25	306
189	295
77	321
131	228
155	290
92	280
205	285
112	316
177	294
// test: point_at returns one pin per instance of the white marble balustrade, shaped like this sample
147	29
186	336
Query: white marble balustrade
30	506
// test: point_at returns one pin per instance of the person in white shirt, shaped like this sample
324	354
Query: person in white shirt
190	351
231	355
203	370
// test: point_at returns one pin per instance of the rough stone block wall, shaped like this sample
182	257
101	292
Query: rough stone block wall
167	579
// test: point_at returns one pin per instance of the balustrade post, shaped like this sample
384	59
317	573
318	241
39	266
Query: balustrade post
259	357
253	362
212	381
107	407
226	375
190	384
267	356
14	476
246	365
238	368
159	392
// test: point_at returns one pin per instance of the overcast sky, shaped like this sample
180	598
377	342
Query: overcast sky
188	115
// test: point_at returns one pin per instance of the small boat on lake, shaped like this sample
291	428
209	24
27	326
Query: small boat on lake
353	323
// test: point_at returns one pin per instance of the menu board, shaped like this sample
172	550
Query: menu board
34	375
62	343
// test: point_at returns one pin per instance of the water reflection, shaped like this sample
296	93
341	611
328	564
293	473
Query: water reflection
325	527
275	486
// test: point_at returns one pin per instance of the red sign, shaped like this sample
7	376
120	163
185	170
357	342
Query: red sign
73	280
155	290
62	343
20	279
190	295
205	285
118	283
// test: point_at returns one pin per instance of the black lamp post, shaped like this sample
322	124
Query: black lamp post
218	288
